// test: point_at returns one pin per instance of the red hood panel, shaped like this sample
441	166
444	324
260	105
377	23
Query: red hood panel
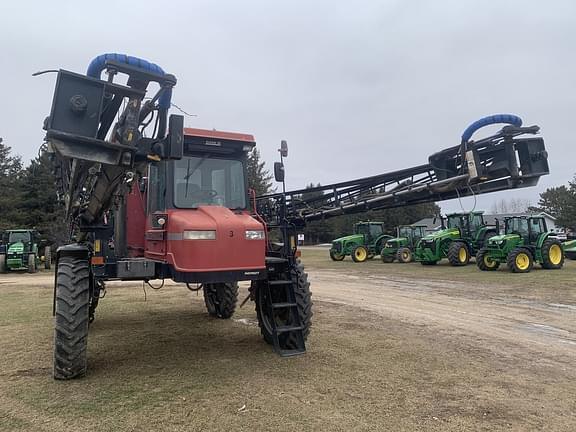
230	251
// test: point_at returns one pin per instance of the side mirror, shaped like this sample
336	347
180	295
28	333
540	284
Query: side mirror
279	171
283	148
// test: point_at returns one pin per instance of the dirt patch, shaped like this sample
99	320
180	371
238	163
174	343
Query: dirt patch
389	351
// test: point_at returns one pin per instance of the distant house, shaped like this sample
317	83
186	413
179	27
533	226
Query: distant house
434	224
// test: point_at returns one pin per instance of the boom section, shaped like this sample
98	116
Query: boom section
512	158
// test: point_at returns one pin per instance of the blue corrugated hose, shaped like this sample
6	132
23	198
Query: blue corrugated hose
98	64
489	120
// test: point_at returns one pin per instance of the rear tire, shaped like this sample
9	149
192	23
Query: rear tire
335	257
520	260
359	254
484	262
458	254
404	255
552	254
71	321
2	263
47	257
221	299
304	305
32	263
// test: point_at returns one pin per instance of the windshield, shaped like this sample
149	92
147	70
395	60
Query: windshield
455	221
517	226
205	181
23	237
405	232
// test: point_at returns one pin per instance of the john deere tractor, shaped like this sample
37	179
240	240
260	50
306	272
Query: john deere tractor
20	251
464	235
365	243
403	245
570	249
525	241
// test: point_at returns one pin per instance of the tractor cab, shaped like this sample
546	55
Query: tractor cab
525	241
191	215
467	223
370	230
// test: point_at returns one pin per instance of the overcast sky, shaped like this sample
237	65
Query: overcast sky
357	88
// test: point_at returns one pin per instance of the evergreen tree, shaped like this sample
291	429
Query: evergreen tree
10	176
38	200
559	202
259	178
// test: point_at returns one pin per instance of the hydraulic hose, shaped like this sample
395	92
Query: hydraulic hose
489	120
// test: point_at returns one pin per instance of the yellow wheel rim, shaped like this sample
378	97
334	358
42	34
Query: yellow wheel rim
462	254
405	256
361	254
522	261
489	262
555	254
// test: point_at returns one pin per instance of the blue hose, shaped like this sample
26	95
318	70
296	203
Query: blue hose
99	63
489	120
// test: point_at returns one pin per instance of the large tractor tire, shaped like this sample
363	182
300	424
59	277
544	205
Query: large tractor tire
71	322
335	257
2	263
47	257
484	262
32	268
303	301
221	299
404	255
520	260
458	254
552	254
359	254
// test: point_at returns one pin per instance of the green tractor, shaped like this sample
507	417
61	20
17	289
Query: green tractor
403	245
570	249
365	243
464	235
525	241
19	250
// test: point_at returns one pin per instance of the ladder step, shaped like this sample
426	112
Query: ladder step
292	352
283	305
279	282
288	328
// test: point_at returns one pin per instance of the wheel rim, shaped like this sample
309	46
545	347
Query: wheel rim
555	254
405	256
462	254
489	262
360	254
522	261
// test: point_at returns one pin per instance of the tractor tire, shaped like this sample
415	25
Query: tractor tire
336	257
303	301
2	263
484	262
71	321
387	259
32	268
552	254
221	299
404	255
359	254
458	254
520	260
47	258
428	263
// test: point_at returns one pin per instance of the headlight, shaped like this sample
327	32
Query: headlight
199	235
255	235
